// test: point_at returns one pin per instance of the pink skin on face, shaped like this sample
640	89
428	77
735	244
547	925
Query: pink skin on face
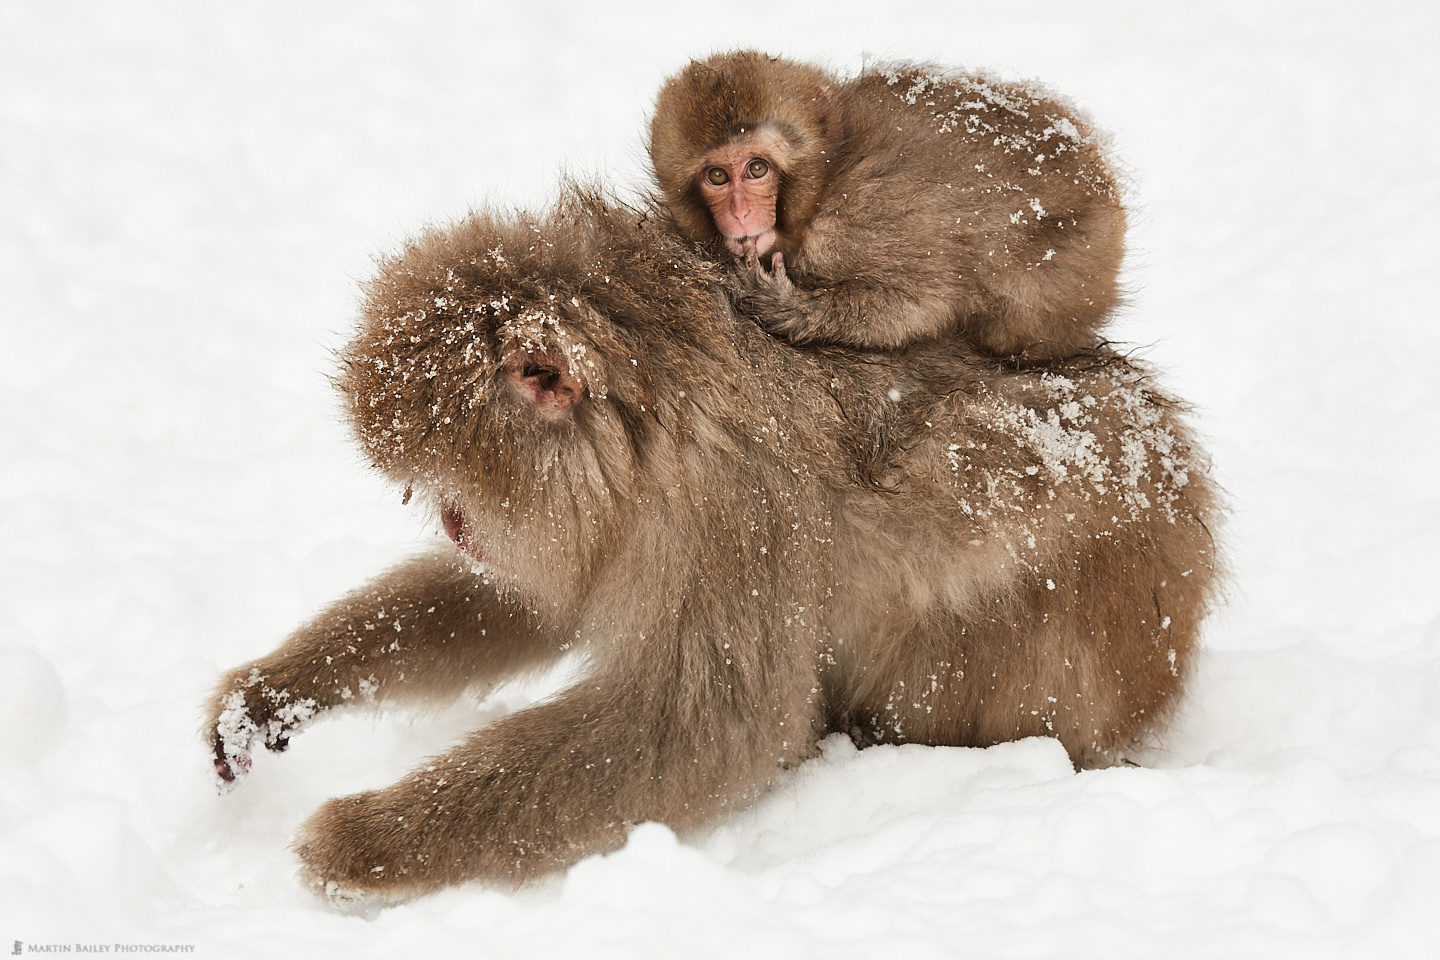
454	520
740	188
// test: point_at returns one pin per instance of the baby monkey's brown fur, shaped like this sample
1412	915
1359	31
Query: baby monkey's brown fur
654	481
904	204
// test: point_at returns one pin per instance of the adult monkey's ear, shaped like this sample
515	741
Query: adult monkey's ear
545	380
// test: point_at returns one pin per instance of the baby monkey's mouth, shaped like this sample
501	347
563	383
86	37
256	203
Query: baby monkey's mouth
754	245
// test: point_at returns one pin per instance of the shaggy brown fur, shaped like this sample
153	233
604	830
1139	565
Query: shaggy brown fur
912	203
632	471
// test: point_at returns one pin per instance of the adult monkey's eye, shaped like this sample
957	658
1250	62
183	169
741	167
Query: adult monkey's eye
757	169
717	176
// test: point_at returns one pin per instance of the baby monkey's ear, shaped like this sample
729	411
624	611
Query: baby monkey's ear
545	380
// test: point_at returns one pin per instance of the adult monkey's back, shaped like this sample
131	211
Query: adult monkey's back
628	468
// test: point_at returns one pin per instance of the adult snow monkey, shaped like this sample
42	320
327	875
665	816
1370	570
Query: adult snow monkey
631	470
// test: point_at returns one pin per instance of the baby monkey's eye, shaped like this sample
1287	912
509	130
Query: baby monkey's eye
717	176
757	169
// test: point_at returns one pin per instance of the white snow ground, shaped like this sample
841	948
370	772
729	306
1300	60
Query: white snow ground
188	194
